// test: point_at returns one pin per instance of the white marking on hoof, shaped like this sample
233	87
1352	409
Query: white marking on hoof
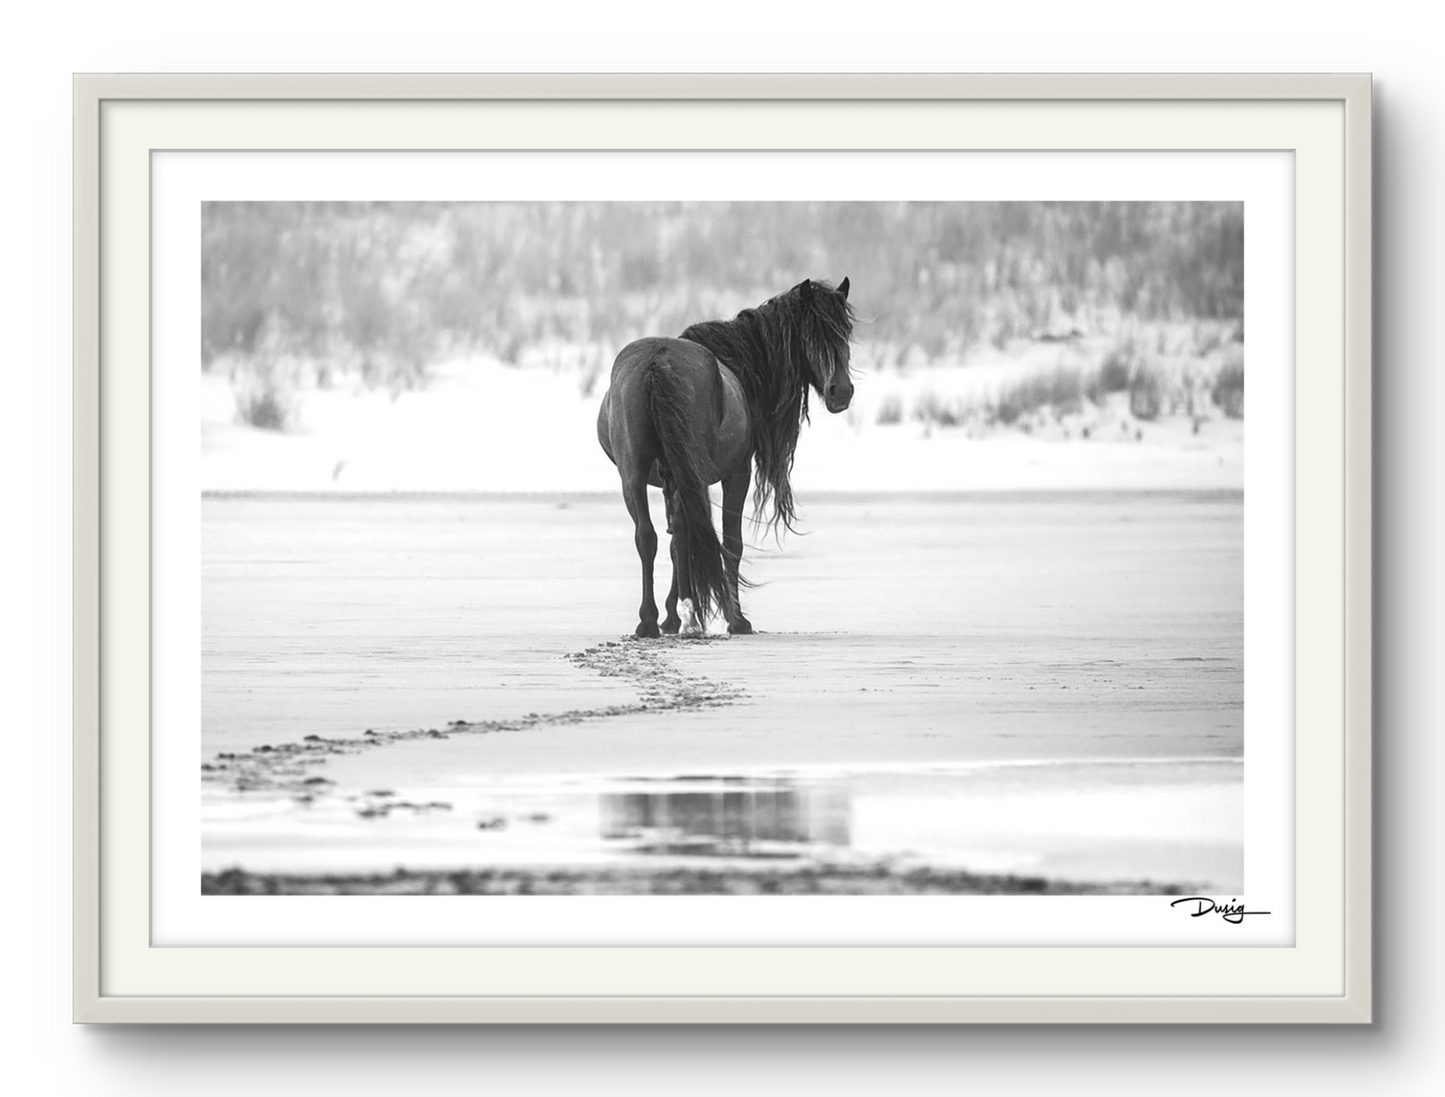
691	626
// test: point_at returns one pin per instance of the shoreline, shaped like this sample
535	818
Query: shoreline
674	879
1001	493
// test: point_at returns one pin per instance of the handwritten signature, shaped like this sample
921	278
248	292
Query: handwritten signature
1232	911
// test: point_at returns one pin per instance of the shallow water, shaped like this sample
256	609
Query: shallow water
1140	821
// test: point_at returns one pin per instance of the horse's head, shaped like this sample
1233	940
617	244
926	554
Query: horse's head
827	328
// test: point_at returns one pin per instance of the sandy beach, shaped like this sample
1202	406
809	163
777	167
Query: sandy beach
472	723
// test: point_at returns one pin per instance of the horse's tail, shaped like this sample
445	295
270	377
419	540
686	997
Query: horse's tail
685	462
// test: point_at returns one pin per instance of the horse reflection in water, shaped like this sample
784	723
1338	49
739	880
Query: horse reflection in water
726	397
729	817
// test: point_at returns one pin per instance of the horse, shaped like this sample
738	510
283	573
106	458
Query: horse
706	407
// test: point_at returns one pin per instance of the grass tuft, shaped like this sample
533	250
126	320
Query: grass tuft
1146	392
890	410
1228	390
265	408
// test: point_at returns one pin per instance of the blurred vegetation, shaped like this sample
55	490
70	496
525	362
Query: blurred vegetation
1192	372
297	293
395	284
1228	390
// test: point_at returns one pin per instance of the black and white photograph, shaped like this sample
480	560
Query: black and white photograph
723	559
722	548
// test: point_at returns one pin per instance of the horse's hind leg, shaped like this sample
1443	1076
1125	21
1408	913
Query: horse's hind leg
672	622
634	494
735	493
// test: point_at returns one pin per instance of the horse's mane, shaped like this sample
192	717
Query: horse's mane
770	348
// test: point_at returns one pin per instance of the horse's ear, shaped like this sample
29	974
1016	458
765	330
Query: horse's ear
843	287
805	289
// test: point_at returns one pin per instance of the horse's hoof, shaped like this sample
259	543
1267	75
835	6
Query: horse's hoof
646	631
671	625
741	627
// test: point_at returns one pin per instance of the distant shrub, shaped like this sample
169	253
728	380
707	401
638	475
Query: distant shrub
1228	391
1146	393
1114	369
933	409
1008	409
1060	389
263	404
890	410
1065	390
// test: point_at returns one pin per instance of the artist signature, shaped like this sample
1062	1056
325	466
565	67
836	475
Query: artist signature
1232	911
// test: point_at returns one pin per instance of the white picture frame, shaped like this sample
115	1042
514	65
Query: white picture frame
1323	120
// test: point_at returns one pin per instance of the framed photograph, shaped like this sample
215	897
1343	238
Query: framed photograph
722	548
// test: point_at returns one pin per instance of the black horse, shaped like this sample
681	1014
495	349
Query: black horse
684	413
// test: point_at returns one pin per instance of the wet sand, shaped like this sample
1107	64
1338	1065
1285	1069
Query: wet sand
937	668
